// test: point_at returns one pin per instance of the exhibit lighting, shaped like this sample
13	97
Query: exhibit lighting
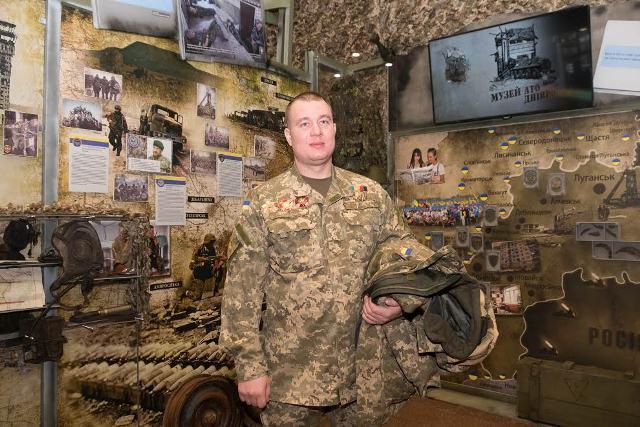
355	55
388	64
337	75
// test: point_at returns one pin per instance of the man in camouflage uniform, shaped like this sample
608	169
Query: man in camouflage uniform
165	164
117	126
302	244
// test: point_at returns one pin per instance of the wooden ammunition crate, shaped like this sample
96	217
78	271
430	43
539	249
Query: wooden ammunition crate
567	394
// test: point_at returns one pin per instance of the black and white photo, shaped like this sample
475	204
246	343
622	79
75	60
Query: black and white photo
206	97
216	136
265	147
20	133
255	168
102	85
81	114
203	162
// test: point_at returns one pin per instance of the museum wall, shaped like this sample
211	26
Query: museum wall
223	110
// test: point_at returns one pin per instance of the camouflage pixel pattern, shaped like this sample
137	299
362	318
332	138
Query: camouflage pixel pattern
306	256
278	414
397	359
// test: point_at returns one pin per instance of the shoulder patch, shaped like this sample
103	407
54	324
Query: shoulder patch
243	235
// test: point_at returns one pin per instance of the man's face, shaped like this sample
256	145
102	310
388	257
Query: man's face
157	152
431	158
311	132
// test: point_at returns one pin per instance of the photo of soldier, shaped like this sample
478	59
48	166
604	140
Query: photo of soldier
208	269
231	31
159	241
203	162
130	188
157	147
117	126
81	114
206	101
254	168
215	136
144	127
265	147
102	84
20	134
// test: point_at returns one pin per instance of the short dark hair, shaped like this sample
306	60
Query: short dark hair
305	96
432	151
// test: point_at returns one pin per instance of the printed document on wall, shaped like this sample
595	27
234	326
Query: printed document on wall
618	69
171	200
229	175
88	164
21	288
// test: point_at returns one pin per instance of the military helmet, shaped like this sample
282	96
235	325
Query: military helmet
209	237
118	108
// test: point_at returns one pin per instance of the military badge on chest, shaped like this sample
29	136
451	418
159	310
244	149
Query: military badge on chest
288	204
359	192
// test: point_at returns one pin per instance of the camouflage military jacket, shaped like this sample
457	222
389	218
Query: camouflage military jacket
306	256
402	357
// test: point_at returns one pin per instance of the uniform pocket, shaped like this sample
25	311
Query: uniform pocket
363	221
293	241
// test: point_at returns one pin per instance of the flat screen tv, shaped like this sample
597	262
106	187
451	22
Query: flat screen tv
532	65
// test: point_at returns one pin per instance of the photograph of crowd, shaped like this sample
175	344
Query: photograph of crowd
215	136
81	114
20	133
203	162
103	85
130	188
265	147
457	211
206	101
255	168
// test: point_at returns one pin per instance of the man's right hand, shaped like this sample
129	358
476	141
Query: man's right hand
255	392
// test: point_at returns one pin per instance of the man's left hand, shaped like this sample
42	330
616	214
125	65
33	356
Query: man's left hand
375	314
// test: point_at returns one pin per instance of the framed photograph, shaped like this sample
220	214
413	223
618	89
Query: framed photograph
81	114
130	188
102	85
216	136
265	147
20	133
255	168
206	98
203	162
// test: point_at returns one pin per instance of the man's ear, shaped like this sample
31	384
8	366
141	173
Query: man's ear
287	135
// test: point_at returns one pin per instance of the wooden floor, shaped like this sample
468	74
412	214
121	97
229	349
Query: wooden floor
436	413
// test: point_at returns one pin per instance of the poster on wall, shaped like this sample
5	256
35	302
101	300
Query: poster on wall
21	289
206	97
130	188
149	154
81	114
171	200
216	136
618	69
203	162
160	250
229	31
229	175
102	85
20	133
88	164
255	168
265	147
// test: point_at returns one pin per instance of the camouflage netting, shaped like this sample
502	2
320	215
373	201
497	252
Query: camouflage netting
335	28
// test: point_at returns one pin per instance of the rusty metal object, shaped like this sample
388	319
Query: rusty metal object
205	401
